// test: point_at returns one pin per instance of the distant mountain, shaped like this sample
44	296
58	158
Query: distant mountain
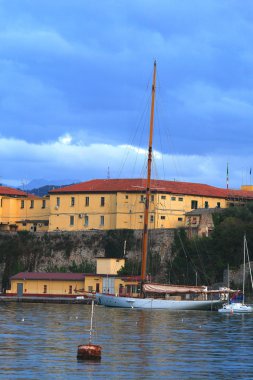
41	182
41	191
41	187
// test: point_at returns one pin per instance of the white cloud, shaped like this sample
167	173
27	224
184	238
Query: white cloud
63	158
65	139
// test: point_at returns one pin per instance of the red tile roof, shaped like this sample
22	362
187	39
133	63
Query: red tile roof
4	190
138	185
48	276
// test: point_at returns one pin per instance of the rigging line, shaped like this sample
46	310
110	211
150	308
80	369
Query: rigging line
170	141
128	150
247	251
160	137
161	152
138	124
187	255
139	146
154	170
203	271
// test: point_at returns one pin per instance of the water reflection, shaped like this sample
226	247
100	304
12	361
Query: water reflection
40	341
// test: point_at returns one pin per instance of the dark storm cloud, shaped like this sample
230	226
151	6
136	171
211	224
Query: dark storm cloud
82	67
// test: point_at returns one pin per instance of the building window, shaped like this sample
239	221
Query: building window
102	220
151	218
180	219
58	201
180	199
142	198
70	289
141	216
102	201
43	203
218	204
173	198
194	205
71	220
163	197
206	204
32	204
22	204
45	289
86	220
126	196
163	217
72	202
87	201
90	289
152	198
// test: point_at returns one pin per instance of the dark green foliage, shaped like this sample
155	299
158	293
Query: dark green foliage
19	253
24	251
84	267
132	268
114	242
204	259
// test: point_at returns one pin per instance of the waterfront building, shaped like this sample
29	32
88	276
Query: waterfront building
72	285
20	211
199	222
109	204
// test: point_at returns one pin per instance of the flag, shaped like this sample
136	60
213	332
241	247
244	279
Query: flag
250	171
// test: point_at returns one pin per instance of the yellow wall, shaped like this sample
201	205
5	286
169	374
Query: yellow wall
61	287
109	266
53	287
247	187
12	212
61	213
123	210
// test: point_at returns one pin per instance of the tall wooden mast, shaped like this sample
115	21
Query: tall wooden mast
146	214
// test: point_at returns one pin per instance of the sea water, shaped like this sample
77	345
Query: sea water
39	341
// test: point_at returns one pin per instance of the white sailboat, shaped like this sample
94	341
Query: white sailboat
157	296
240	307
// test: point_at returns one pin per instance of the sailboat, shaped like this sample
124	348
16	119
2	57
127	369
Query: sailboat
158	296
234	306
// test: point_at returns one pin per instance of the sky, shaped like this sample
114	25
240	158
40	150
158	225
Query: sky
75	82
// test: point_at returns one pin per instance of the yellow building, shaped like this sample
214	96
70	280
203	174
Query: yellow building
20	211
119	203
111	204
72	285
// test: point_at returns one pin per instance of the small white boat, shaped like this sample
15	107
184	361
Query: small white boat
234	306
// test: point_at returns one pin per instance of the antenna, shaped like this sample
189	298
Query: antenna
125	248
108	172
227	176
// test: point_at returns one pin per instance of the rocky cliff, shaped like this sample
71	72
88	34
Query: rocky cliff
76	251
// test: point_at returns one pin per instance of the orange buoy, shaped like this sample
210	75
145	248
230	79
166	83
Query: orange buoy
89	352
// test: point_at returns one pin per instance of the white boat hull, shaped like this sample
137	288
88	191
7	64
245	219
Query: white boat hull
154	303
237	308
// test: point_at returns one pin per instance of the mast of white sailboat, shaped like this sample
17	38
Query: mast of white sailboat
145	228
244	260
